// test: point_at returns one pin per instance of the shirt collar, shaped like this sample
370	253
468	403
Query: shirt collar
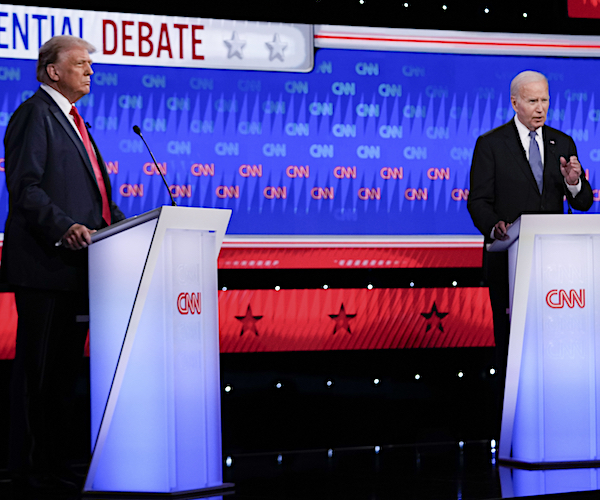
61	101
524	131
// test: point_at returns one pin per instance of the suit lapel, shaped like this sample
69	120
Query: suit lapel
515	147
70	131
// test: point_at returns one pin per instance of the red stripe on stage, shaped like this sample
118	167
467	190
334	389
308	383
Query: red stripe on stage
348	258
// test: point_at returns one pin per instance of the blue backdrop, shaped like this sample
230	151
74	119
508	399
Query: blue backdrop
367	143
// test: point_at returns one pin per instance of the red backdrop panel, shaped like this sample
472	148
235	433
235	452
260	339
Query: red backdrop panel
584	8
340	319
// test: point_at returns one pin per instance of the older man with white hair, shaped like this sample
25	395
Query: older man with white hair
59	194
521	167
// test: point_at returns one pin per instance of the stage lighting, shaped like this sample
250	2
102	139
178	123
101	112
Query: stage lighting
369	286
224	288
461	444
329	383
325	287
376	381
460	374
412	284
377	449
417	376
454	283
278	385
228	461
492	371
330	453
277	288
279	459
228	388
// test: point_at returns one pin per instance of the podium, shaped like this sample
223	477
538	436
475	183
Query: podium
154	354
551	411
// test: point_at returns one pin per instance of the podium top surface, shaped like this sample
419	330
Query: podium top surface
204	219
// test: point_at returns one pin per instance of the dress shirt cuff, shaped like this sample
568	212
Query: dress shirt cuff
573	189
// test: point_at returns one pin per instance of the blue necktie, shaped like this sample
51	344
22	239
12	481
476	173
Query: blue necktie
535	160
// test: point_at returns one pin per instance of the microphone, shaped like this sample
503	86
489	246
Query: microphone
138	131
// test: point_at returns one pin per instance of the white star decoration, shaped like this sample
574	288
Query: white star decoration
235	46
276	47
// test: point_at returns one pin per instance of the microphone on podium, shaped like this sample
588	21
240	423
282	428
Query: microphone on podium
138	131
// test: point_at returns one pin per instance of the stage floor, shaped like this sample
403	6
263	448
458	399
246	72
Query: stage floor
439	471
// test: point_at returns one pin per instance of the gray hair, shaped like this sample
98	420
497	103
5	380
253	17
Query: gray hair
51	51
524	78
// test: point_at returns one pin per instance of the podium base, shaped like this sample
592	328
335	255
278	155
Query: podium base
575	464
223	489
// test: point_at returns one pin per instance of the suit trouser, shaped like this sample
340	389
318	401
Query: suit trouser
49	351
496	274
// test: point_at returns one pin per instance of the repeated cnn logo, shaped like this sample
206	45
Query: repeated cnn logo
557	299
189	303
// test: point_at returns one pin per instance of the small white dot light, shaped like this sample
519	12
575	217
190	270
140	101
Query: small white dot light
492	371
417	376
445	7
405	4
228	388
524	14
224	288
330	453
377	449
412	283
454	283
325	287
460	374
461	444
376	381
277	288
493	444
329	383
486	10
369	286
279	459
279	385
228	461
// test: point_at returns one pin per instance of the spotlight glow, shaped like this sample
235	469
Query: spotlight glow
376	381
461	444
454	283
279	385
279	459
492	371
369	286
377	449
228	461
460	374
228	388
417	376
329	383
412	283
325	287
277	288
330	453
224	288
445	7
486	10
524	14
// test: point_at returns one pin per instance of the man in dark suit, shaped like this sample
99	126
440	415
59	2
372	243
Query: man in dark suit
59	194
521	167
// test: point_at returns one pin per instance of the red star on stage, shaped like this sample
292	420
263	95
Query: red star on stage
248	322
342	320
434	318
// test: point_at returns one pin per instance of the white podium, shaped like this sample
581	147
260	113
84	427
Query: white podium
154	354
552	399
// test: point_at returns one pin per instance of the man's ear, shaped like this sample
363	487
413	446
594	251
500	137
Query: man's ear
52	73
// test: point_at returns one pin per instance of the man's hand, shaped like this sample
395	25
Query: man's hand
571	170
500	230
77	237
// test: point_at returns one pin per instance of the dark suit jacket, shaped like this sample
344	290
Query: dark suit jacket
51	186
503	186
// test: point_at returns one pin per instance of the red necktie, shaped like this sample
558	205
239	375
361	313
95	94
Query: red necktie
92	155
